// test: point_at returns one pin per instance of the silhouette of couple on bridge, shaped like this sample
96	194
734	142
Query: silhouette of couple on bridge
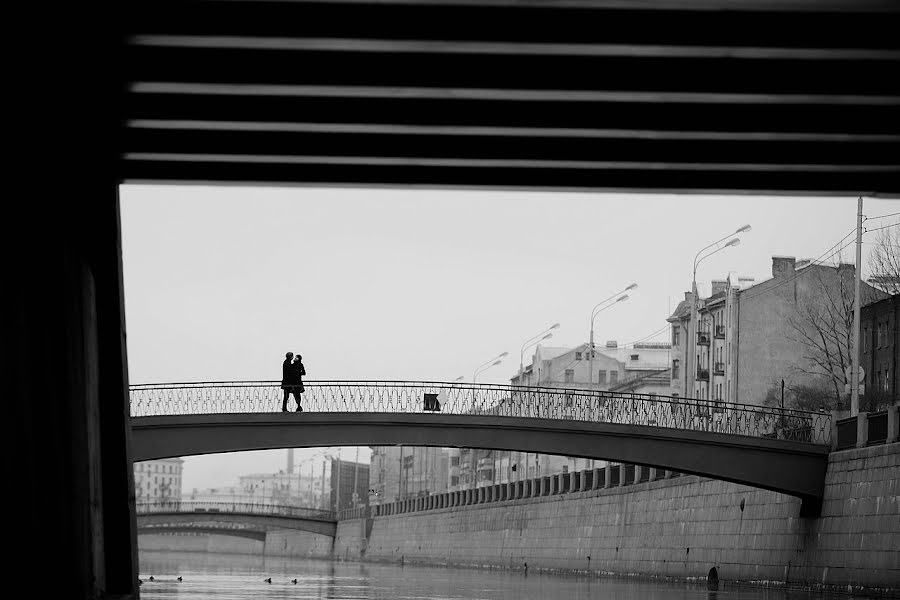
292	372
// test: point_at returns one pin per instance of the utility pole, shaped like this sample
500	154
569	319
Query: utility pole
337	486
324	501
356	477
854	351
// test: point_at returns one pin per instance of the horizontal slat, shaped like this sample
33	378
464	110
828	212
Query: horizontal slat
646	74
544	149
511	178
507	95
519	132
847	23
510	48
459	112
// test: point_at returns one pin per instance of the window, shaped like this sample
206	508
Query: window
601	376
454	461
613	376
570	375
578	356
635	356
675	369
454	480
675	335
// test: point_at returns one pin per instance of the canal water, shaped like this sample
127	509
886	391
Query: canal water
230	576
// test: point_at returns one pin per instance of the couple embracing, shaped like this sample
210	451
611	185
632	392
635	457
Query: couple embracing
292	372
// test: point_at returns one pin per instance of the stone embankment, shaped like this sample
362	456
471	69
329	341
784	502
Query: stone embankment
657	526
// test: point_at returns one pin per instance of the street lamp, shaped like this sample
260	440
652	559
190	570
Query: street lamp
690	370
544	335
594	313
491	363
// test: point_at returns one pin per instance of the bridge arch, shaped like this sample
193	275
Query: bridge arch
790	467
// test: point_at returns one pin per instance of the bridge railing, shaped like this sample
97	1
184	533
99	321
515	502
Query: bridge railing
177	506
486	399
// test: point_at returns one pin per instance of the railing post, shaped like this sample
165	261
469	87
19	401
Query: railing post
862	429
652	475
637	474
893	413
607	475
622	472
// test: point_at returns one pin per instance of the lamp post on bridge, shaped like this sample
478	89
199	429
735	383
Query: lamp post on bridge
491	363
594	313
691	367
546	334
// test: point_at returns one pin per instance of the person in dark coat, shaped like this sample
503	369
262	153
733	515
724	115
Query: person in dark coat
299	372
287	379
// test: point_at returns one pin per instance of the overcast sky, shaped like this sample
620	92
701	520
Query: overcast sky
421	284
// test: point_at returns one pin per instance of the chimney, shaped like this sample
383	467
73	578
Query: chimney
687	296
718	285
783	265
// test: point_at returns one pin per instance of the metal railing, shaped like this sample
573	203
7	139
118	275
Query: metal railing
409	397
251	508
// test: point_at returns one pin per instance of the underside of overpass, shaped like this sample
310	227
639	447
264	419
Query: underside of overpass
789	467
258	522
792	96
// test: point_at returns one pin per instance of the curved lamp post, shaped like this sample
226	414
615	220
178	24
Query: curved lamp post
544	335
594	313
691	368
491	363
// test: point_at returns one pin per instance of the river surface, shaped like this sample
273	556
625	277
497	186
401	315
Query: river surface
232	576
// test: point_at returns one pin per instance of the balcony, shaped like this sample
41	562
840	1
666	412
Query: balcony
720	332
703	338
702	374
719	368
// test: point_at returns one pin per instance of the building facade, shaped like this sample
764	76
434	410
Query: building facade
401	472
878	330
349	484
748	336
158	480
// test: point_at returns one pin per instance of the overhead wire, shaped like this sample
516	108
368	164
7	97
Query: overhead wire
817	261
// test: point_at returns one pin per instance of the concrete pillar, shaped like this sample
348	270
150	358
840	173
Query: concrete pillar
607	480
595	478
637	473
556	484
622	470
652	473
862	429
667	474
893	414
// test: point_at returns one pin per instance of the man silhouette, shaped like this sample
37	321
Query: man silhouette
287	380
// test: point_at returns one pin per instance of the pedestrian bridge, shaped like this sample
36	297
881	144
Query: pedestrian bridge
770	448
241	519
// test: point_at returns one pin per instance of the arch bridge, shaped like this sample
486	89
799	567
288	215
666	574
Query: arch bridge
777	449
249	520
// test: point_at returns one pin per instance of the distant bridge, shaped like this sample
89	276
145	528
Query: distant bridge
228	518
770	448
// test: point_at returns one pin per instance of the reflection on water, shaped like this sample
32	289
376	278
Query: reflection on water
208	576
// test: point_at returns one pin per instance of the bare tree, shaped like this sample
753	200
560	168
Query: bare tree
823	325
884	260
